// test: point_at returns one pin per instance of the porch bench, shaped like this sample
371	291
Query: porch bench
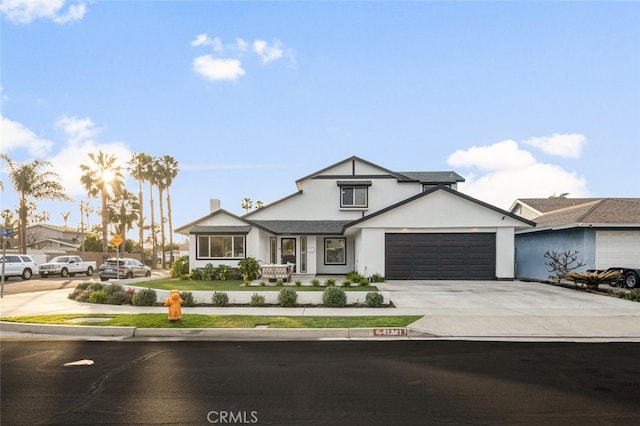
276	272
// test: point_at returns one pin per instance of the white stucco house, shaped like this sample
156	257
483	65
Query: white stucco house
358	216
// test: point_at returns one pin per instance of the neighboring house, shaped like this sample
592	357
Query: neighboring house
357	216
604	231
54	238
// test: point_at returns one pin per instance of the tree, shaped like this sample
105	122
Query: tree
169	171
105	179
31	182
247	204
259	204
124	211
562	262
151	176
65	217
137	167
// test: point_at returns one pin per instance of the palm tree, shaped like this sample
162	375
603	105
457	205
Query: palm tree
65	217
124	210
137	168
32	183
247	204
151	177
103	178
168	171
259	204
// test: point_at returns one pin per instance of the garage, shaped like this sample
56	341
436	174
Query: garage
440	256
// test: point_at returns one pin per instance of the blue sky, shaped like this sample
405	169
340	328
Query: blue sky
522	99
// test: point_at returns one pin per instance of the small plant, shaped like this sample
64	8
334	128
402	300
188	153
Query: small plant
113	288
187	298
180	267
287	297
249	268
315	282
84	295
96	286
373	299
298	283
196	274
220	298
363	282
223	272
562	262
354	277
184	277
120	298
593	279
257	299
346	283
377	278
330	282
279	283
633	295
145	297
84	285
262	283
98	296
334	297
208	272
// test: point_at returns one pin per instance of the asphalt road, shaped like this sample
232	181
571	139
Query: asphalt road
320	383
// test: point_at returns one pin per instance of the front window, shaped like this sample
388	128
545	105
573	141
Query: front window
220	246
335	251
353	196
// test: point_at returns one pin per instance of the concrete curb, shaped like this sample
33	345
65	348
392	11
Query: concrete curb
67	330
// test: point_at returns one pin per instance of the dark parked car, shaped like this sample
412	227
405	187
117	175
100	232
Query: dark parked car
123	268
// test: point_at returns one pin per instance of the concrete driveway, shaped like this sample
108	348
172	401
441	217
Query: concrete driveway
526	310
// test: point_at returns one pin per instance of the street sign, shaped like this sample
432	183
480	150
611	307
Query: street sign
6	232
116	240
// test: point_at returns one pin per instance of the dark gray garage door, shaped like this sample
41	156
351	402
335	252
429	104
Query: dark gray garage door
466	256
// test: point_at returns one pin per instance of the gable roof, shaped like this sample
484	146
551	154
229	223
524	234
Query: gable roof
594	211
443	177
449	190
301	227
545	205
187	228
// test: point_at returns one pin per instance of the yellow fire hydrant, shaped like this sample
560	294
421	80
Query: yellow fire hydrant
174	302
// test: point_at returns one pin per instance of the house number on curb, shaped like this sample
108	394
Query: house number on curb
393	332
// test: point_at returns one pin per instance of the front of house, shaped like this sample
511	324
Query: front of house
358	216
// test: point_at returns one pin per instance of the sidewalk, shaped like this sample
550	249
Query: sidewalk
487	310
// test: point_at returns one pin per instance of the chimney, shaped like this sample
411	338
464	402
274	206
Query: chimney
214	204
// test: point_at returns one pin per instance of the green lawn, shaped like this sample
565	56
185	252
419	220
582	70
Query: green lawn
220	321
231	285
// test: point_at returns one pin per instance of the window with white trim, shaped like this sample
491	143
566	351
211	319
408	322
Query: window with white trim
335	251
353	196
220	247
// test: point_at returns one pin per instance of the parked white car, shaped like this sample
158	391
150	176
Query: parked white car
67	266
18	265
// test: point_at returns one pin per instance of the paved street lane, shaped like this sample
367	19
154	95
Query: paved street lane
338	383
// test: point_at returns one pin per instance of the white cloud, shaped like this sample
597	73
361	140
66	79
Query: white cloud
217	69
266	52
26	11
204	40
567	146
508	172
77	129
16	136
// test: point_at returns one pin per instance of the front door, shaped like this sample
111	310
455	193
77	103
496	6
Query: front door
288	251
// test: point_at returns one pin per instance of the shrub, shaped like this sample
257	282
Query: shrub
208	272
330	282
249	268
315	282
334	297
354	277
196	274
184	277
633	295
377	278
187	298
363	282
113	288
279	283
121	298
96	286
562	263
298	283
257	299
287	297
262	283
346	283
144	297
98	296
223	272
84	295
220	298
180	267
84	285
373	299
76	292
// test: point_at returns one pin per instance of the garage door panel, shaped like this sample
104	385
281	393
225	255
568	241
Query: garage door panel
440	256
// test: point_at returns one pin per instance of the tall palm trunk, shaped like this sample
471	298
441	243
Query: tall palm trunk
22	224
170	225
105	223
141	222
154	248
162	246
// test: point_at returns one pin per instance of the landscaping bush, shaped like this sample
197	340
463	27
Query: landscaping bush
95	287
354	277
633	295
279	283
84	295
113	288
377	278
184	277
187	298
249	268
374	299
315	282
334	297
98	296
84	285
120	298
223	272
330	282
257	299
262	283
287	297
145	297
208	272
346	283
298	283
220	298
180	267
196	274
363	282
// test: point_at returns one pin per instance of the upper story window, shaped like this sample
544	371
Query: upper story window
354	194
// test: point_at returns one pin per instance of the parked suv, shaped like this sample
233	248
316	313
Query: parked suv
18	265
123	268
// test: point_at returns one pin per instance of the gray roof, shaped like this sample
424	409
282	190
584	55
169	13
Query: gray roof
241	229
546	205
296	227
434	177
612	211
